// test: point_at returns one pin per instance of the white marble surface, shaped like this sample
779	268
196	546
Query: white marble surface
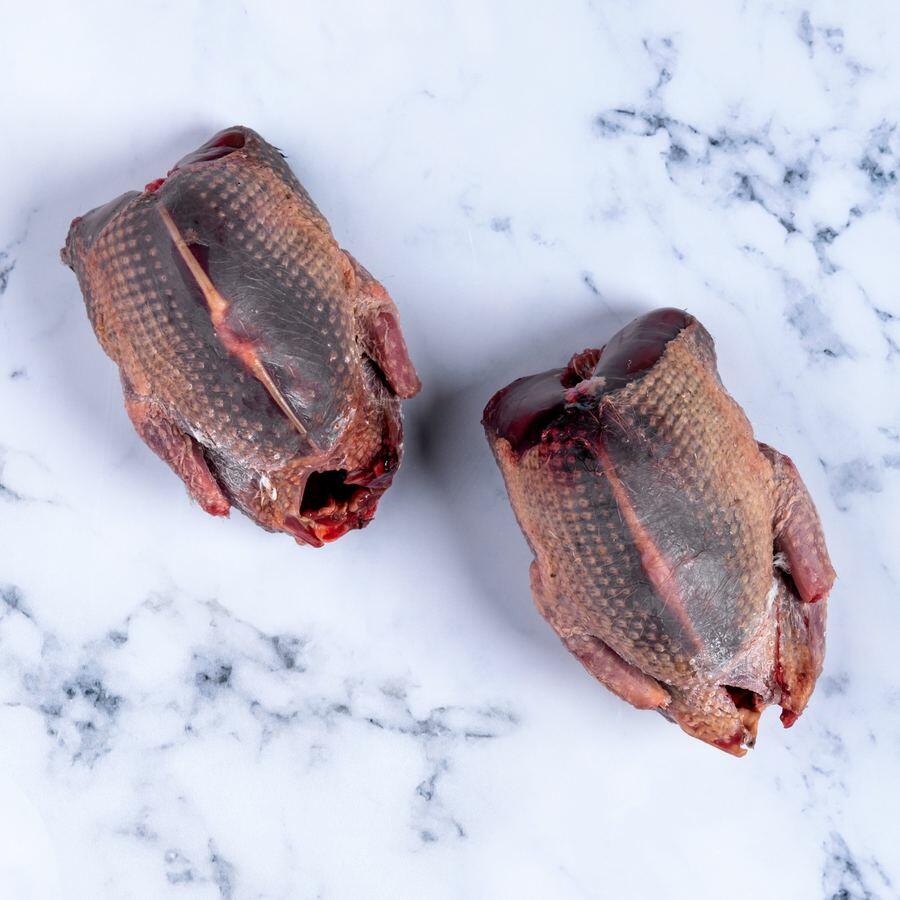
192	708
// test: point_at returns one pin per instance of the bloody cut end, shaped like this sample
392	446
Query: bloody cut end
336	501
521	411
219	145
639	345
217	506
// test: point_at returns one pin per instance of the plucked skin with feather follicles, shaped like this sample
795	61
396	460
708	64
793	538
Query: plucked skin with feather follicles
680	560
263	363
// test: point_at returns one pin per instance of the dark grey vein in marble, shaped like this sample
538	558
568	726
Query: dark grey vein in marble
846	877
6	267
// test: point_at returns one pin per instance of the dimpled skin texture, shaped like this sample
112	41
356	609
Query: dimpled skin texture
679	559
261	361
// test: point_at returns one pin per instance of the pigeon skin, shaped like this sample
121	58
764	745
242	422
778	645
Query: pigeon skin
681	561
261	361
